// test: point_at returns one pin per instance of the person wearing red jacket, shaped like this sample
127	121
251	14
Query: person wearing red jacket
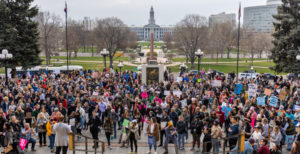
264	149
63	101
221	115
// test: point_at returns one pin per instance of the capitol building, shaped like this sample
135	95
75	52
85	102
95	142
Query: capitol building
143	33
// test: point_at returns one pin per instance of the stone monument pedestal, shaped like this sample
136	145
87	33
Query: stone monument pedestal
152	73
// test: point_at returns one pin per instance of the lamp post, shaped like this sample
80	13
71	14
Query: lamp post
199	54
5	56
251	71
298	57
120	65
104	53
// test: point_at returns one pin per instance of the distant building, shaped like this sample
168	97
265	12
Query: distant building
222	18
260	18
143	33
88	24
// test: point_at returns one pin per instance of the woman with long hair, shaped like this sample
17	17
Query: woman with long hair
153	134
41	125
133	135
108	128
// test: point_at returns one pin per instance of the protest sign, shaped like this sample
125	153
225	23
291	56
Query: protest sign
95	75
252	88
282	95
166	92
261	100
273	101
179	79
56	71
238	89
216	83
186	79
23	143
268	92
177	93
198	80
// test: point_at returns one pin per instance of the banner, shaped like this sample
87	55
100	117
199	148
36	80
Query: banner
261	101
216	83
238	89
252	88
179	79
273	101
268	92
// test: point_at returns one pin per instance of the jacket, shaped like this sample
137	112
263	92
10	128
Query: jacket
196	127
49	128
216	132
181	127
134	130
108	127
290	130
155	131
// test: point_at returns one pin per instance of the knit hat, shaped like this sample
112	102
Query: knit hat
251	140
170	123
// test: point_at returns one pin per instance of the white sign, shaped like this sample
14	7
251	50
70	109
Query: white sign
216	83
252	88
179	79
56	71
177	93
166	92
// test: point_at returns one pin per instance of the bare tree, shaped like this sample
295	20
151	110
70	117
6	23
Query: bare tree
263	42
191	34
168	40
248	42
170	56
132	55
111	34
49	32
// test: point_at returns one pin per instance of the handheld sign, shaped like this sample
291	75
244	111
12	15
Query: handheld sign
238	89
252	88
282	95
268	92
261	101
273	101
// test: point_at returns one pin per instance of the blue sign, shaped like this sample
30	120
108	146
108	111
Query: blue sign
186	79
273	101
261	100
226	110
238	89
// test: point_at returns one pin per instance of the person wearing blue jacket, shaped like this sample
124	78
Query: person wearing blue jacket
233	130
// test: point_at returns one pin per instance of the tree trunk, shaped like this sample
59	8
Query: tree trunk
111	62
222	54
260	53
217	57
228	53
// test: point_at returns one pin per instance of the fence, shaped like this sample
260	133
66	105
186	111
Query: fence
72	144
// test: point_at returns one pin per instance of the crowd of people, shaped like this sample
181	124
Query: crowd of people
212	109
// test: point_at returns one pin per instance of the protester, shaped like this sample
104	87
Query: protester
153	134
61	131
181	130
94	123
133	135
41	124
27	132
171	135
108	128
264	149
49	127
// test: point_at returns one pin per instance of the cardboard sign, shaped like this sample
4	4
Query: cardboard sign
177	93
56	71
282	95
238	89
216	83
268	92
261	101
252	88
166	92
273	101
198	80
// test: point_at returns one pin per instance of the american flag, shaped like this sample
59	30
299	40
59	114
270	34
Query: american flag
240	11
66	8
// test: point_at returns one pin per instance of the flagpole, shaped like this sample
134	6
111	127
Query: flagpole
238	52
67	45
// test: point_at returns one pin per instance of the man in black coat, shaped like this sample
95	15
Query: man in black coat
94	123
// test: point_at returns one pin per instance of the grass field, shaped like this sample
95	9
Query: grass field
226	68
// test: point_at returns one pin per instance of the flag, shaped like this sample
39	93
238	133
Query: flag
66	8
240	11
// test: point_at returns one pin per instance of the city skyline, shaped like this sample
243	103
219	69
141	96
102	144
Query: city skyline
134	12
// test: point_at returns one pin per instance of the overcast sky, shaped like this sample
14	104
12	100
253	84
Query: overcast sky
136	12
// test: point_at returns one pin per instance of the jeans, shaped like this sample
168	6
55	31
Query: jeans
32	141
181	140
216	145
153	141
51	139
115	129
42	138
289	141
63	148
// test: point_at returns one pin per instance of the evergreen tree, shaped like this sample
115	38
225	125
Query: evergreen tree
287	37
19	33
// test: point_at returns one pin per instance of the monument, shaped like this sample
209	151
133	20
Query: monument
152	71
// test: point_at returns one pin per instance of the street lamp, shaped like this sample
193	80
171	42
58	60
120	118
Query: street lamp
120	65
199	54
251	71
5	56
104	53
298	57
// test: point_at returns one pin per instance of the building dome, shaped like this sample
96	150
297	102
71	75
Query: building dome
271	2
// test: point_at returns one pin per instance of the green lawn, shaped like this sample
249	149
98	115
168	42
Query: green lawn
225	68
90	58
219	60
148	43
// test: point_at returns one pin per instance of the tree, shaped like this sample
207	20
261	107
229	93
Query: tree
19	32
249	42
168	40
170	56
49	32
263	42
132	55
111	34
287	38
191	34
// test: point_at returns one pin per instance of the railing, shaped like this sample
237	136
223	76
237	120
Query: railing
86	150
241	142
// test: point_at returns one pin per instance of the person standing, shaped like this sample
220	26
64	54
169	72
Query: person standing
171	134
108	128
50	133
181	129
94	123
61	131
196	131
233	130
133	135
153	134
216	134
41	124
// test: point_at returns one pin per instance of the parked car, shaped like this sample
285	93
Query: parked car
292	75
216	72
268	76
247	76
193	71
